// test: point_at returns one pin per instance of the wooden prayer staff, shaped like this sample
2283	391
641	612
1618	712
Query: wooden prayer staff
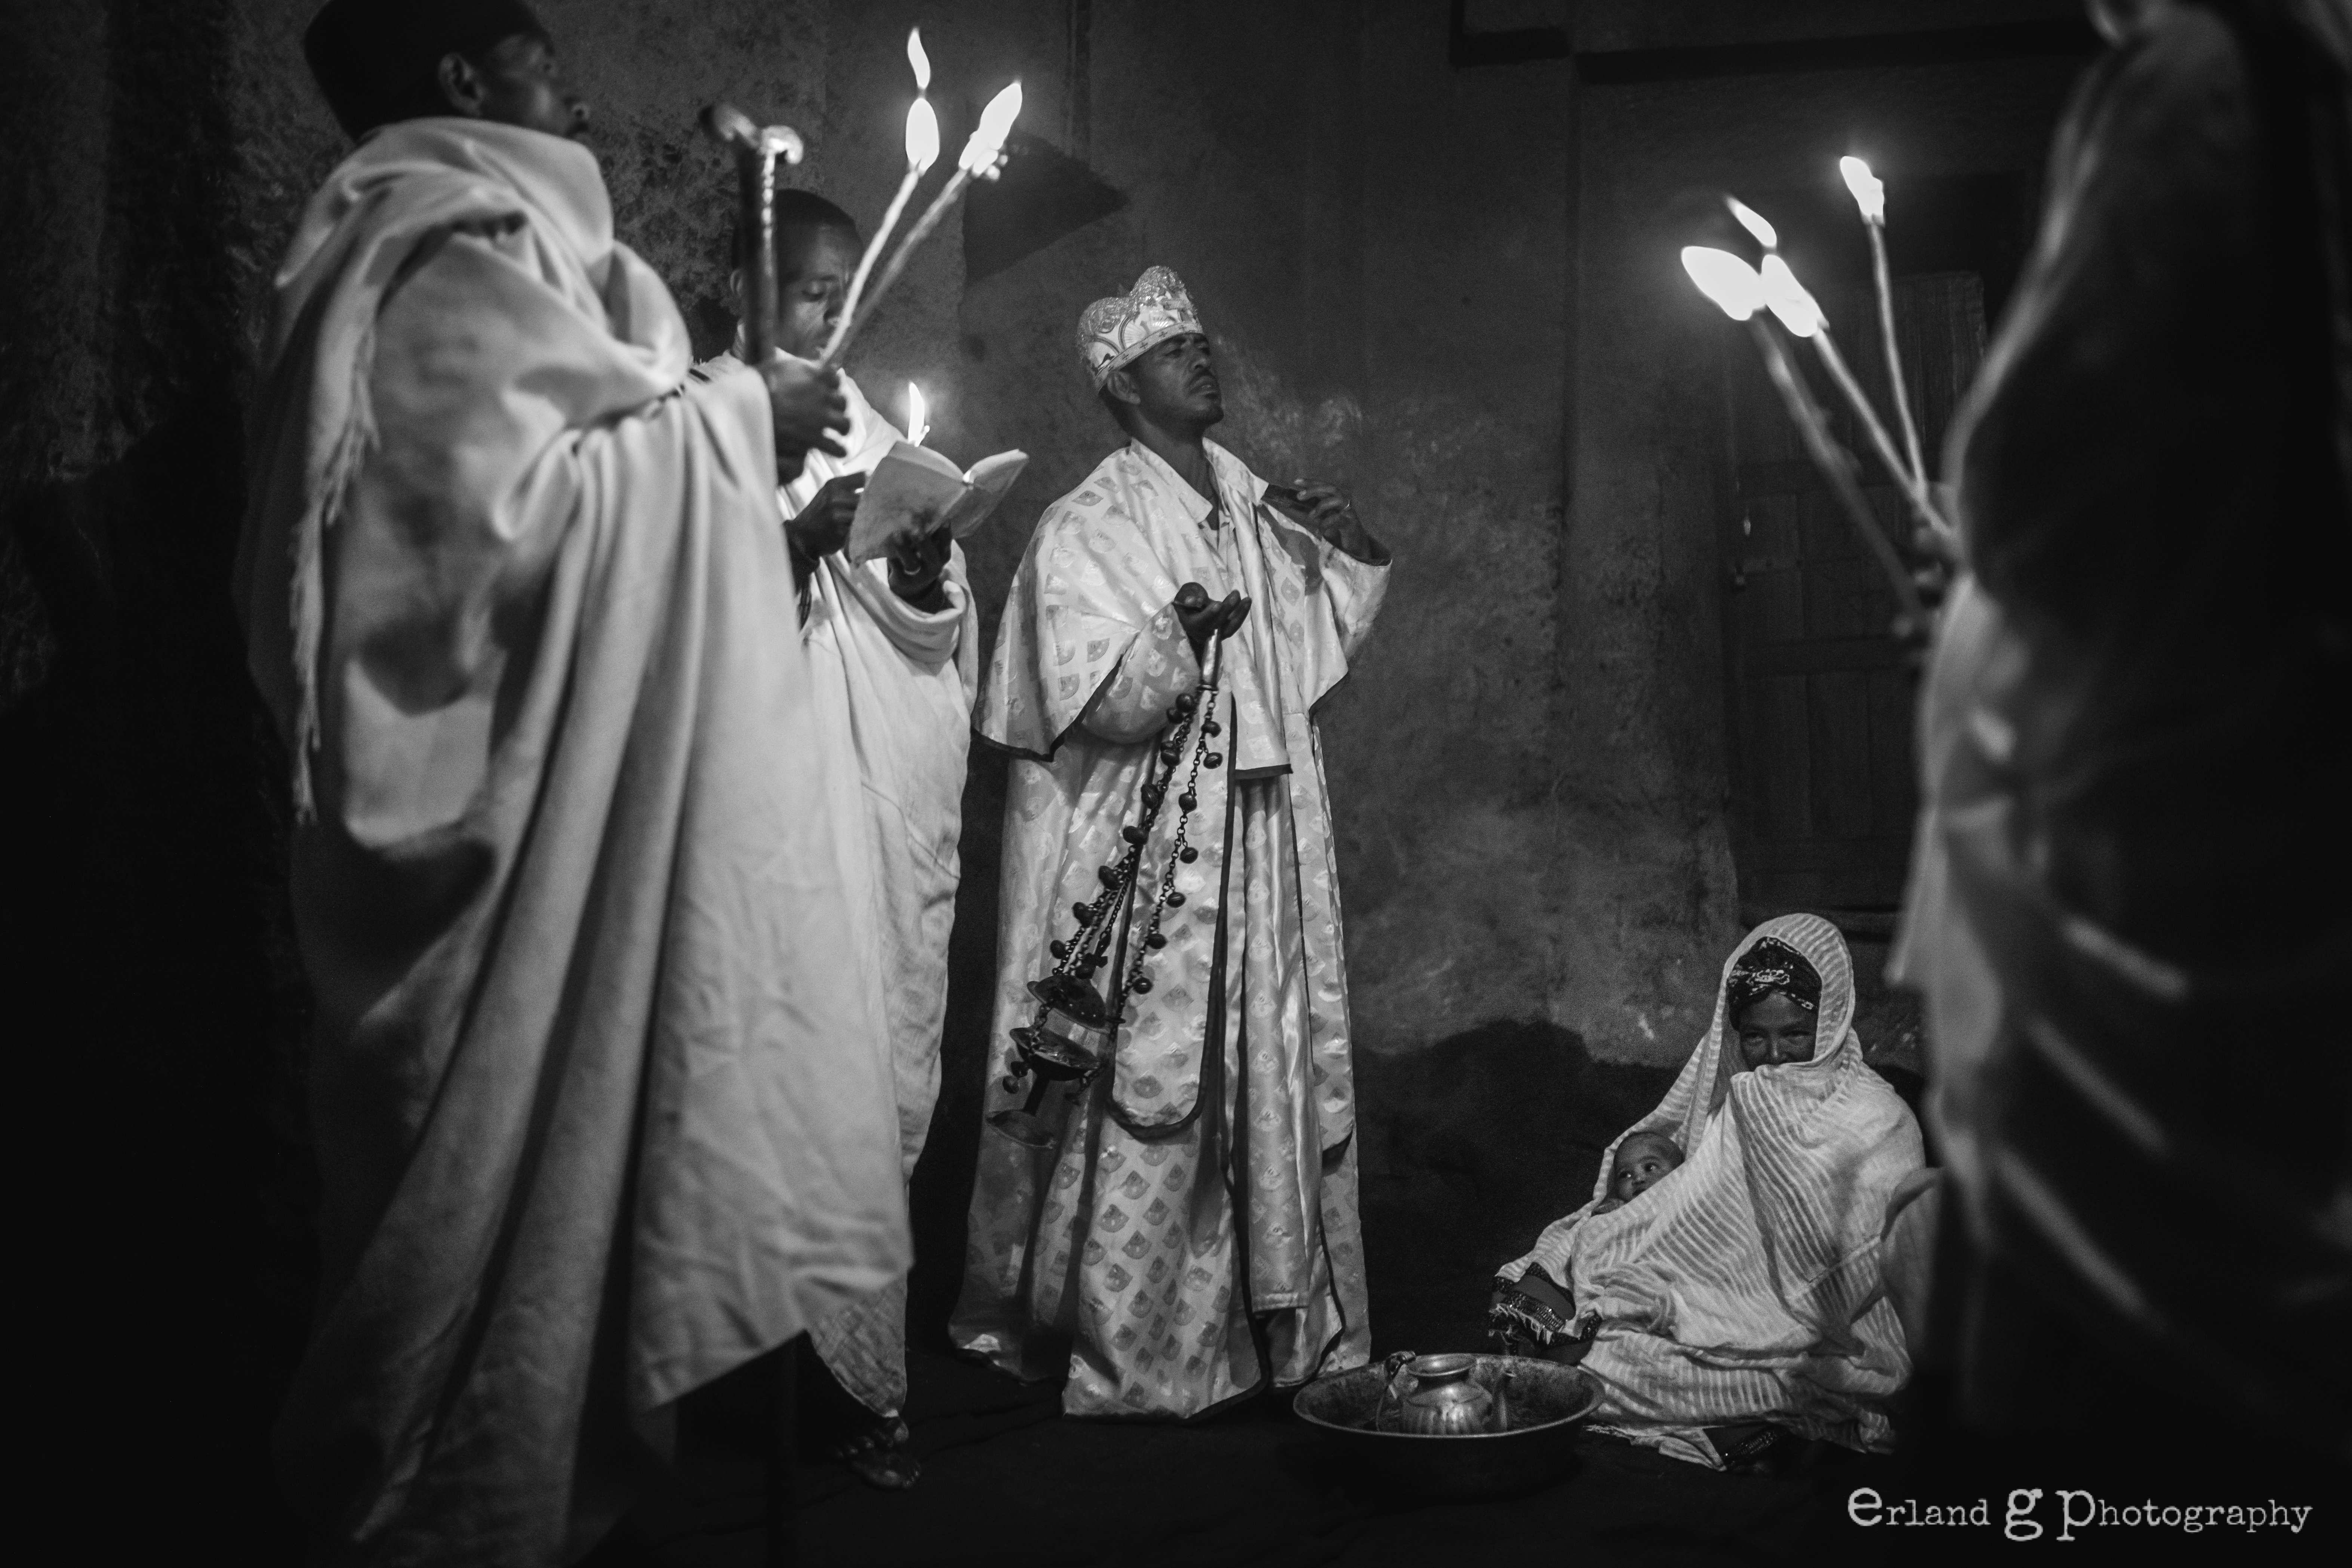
1736	288
756	151
922	152
1870	198
982	154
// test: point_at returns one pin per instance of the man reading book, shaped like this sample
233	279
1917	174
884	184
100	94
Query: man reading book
893	649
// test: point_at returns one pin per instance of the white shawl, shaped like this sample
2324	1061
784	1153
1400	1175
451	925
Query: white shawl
599	1115
1745	1285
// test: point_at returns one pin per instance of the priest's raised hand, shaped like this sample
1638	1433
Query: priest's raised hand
1333	518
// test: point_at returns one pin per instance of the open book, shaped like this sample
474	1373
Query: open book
914	491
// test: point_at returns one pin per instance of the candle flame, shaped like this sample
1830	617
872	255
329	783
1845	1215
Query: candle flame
980	153
1753	222
1787	299
919	59
922	135
919	417
1725	279
1869	190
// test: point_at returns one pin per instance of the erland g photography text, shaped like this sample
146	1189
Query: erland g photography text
2061	1514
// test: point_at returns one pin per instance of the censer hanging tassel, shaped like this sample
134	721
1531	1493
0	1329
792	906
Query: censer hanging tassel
1075	1031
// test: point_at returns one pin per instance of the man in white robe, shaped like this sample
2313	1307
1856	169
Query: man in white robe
894	651
1194	1236
598	1112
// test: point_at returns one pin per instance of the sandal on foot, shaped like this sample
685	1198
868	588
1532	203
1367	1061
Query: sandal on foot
882	1456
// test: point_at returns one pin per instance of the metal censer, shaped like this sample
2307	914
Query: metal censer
1076	1030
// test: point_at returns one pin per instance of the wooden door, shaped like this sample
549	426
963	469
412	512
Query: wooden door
1821	694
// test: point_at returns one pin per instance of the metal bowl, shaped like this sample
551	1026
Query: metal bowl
1548	1401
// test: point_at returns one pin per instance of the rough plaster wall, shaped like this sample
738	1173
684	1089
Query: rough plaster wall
1353	348
1649	866
1452	748
137	878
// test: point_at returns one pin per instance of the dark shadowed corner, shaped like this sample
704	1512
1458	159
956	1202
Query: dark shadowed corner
1470	1148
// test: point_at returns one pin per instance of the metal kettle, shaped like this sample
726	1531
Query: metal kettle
1433	1396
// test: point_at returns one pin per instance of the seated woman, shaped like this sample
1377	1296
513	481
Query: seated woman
1739	1299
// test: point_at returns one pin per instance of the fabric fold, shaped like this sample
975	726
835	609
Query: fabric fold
595	1115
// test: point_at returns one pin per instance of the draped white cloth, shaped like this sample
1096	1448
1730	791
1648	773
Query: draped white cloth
1745	1285
599	1115
1204	1191
893	691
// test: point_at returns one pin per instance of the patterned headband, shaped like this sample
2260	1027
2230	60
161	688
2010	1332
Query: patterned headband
1772	965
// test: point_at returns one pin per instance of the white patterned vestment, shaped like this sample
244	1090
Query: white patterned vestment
1195	1233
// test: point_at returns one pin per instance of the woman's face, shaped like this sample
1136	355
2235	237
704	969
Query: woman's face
1774	1029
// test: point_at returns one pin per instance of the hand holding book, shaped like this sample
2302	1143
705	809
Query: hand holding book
915	492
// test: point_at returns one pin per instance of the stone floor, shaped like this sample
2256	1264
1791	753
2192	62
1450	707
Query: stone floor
1007	1479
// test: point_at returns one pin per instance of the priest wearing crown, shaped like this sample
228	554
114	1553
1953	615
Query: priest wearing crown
1191	1236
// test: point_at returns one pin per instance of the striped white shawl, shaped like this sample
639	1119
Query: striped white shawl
1745	1285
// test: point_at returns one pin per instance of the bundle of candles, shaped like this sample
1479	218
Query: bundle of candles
1747	293
981	159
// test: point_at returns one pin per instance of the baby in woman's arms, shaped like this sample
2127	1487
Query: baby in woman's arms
1643	1160
1534	1315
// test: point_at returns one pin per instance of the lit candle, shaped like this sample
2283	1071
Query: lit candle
1798	311
982	154
1870	198
1743	294
922	152
919	417
1753	222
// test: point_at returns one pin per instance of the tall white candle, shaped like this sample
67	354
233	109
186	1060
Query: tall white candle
1870	198
922	152
982	154
1741	293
